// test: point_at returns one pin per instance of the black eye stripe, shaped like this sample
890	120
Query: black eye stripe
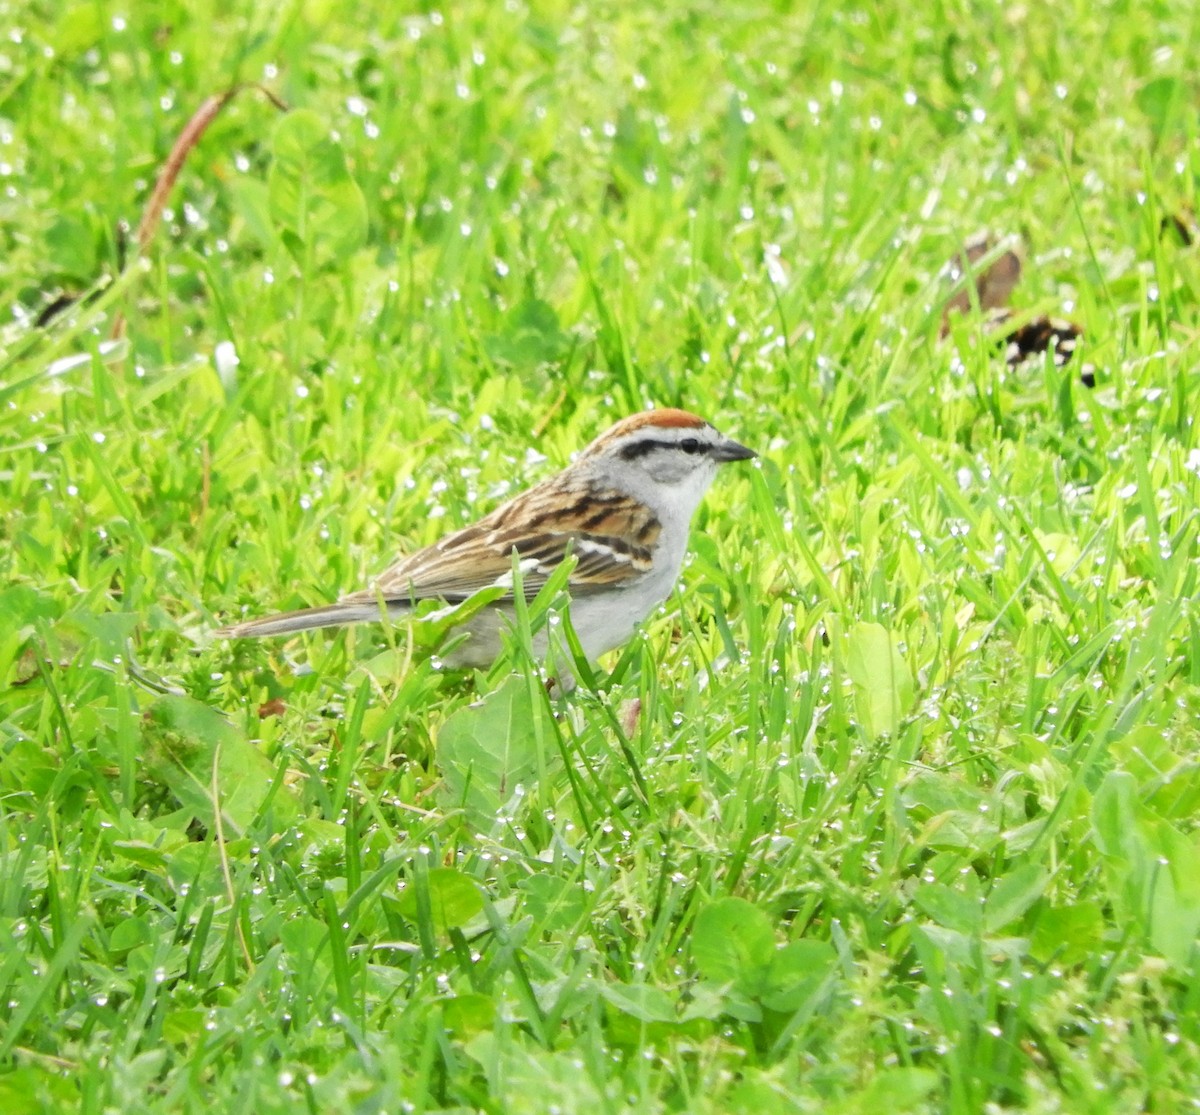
689	445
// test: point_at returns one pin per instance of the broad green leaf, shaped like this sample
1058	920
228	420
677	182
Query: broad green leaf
251	201
732	940
896	1091
34	1089
184	1026
1114	815
77	30
1013	894
468	1014
883	684
430	628
111	630
796	972
1152	865
553	902
530	335
203	759
1162	100
71	248
488	750
1068	934
454	899
950	908
707	1000
196	866
128	934
315	204
936	793
21	605
302	937
138	851
938	947
1172	893
640	1001
742	1005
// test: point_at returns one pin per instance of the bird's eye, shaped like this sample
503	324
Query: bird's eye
690	445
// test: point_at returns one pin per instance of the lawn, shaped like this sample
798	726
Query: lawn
890	808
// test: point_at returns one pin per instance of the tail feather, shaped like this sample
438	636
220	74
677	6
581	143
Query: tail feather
306	619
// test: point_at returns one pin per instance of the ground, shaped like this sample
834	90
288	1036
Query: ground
890	808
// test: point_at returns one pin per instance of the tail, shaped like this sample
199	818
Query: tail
306	619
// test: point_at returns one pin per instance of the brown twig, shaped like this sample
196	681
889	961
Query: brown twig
187	139
540	426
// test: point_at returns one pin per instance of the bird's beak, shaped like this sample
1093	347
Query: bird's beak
730	450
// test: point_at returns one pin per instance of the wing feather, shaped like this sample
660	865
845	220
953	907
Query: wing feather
612	536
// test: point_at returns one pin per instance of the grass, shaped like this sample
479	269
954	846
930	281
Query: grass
891	808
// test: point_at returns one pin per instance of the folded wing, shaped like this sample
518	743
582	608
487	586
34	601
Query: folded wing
611	535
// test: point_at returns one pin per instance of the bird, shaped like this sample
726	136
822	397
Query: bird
623	508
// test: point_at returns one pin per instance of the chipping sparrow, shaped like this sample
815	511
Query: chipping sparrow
623	508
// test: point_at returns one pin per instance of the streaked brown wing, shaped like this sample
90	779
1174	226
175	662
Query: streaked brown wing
611	535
